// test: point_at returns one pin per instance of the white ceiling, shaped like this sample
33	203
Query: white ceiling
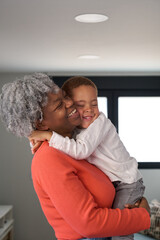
42	35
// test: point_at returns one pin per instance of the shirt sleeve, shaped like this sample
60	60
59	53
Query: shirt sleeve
77	206
86	141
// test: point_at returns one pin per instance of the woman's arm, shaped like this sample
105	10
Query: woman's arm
86	142
76	205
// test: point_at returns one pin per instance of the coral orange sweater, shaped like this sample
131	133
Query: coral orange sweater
76	198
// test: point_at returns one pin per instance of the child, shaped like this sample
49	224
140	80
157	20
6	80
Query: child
98	142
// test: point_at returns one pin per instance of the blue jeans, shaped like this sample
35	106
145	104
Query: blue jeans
107	238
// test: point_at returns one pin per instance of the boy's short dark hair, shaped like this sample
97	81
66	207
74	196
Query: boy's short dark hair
75	82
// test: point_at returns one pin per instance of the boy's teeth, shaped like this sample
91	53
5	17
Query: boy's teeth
72	113
87	117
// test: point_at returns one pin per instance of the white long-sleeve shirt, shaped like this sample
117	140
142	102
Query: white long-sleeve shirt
100	145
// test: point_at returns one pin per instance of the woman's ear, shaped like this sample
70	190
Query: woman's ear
41	126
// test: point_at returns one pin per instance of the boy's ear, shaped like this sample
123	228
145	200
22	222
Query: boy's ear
41	126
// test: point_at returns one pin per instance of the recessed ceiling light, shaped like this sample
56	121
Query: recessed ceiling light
91	18
88	57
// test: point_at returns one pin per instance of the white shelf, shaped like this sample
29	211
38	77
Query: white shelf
6	222
5	214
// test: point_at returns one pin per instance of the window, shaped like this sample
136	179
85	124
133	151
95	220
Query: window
102	105
139	127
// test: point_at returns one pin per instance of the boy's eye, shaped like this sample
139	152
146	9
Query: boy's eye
94	104
78	105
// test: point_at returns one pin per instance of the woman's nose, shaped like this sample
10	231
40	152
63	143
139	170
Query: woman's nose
68	102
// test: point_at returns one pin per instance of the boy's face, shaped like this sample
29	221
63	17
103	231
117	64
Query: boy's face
85	99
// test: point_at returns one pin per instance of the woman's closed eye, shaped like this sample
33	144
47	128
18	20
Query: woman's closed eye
60	105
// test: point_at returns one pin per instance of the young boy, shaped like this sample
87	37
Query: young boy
97	141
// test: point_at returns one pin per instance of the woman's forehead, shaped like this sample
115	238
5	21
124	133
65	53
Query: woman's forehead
53	99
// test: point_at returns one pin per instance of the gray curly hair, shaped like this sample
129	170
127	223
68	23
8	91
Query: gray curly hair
21	102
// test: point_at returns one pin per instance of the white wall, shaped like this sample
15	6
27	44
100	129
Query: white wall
16	184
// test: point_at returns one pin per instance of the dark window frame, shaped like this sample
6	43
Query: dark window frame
113	87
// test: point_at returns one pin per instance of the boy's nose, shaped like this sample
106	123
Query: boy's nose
89	109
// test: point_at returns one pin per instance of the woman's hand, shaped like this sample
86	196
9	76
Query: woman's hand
142	203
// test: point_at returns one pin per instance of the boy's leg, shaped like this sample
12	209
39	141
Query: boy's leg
127	193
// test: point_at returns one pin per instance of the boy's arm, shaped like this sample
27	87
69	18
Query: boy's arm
86	142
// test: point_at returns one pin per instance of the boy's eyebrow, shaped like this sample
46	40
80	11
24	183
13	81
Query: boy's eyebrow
80	101
84	100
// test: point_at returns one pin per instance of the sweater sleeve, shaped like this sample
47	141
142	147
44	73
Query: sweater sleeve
77	206
86	141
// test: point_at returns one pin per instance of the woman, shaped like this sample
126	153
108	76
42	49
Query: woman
75	196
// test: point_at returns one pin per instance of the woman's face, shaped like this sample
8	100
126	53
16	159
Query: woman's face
59	115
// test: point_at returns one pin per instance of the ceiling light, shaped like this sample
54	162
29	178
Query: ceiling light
91	18
88	57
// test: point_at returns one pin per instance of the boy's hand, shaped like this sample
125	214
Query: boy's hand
40	136
142	203
35	147
37	137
